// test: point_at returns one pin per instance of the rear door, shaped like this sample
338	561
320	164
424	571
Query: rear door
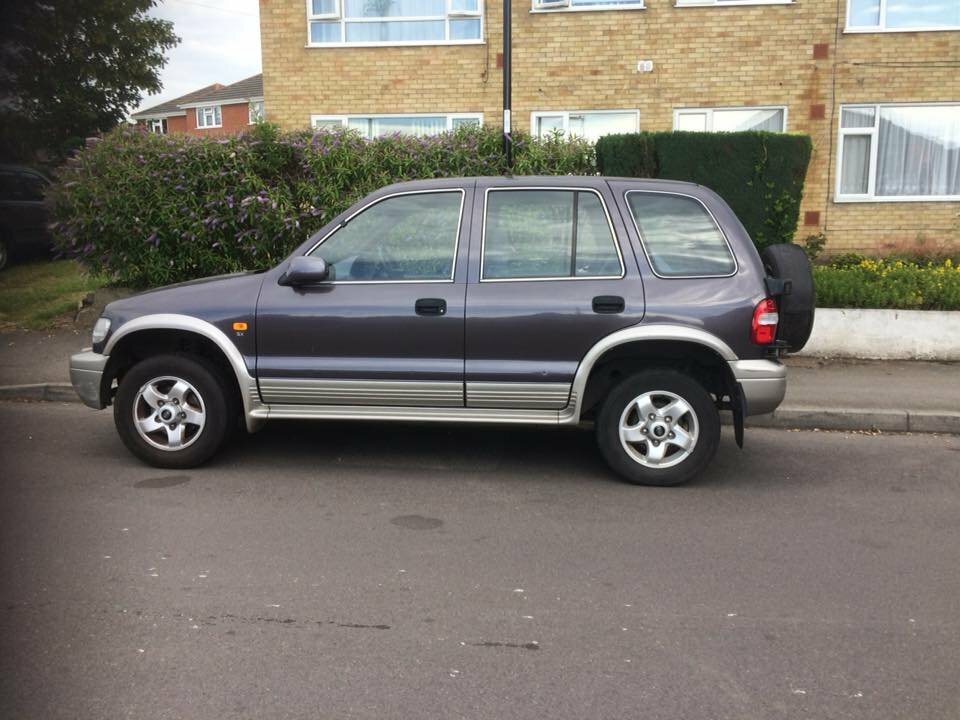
551	273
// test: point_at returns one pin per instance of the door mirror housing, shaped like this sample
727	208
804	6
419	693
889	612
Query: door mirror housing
305	270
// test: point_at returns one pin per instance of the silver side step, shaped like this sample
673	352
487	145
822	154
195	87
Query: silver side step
414	414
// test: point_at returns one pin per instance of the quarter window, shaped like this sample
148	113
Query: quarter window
899	152
208	117
544	234
405	238
589	125
393	22
882	15
769	119
372	126
679	236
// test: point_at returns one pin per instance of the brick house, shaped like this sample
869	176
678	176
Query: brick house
875	84
213	110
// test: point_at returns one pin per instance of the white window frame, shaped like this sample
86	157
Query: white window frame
449	15
344	119
335	15
250	116
534	116
881	26
873	133
201	117
156	126
558	6
724	3
678	112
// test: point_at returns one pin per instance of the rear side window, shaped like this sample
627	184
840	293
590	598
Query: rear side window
548	234
679	236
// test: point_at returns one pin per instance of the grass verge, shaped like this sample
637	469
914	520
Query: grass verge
40	295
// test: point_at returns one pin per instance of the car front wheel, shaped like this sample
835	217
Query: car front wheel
658	427
171	411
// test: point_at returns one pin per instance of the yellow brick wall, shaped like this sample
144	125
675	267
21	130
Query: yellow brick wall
703	56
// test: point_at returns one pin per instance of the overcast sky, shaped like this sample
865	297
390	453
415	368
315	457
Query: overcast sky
219	42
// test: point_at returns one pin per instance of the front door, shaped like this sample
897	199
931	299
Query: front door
548	280
386	329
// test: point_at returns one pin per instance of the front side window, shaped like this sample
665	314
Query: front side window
769	119
589	125
679	236
899	152
885	15
157	126
547	234
373	126
393	22
405	238
256	111
208	117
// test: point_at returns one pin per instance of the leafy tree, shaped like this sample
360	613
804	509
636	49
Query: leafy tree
72	68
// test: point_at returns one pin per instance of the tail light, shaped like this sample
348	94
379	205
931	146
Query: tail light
763	327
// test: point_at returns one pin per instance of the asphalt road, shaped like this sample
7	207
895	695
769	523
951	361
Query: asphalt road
378	571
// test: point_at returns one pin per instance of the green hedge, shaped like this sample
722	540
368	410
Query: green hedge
759	174
889	283
147	210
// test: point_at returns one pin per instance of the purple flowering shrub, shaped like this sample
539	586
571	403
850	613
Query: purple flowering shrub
149	210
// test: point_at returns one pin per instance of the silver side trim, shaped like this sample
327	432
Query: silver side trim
540	396
171	321
459	414
296	391
638	333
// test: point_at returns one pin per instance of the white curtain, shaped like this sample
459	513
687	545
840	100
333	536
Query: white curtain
919	151
420	126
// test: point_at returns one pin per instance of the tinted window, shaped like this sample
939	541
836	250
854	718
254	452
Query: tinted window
408	237
547	234
680	237
22	186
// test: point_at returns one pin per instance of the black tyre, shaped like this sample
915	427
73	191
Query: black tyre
658	427
790	262
172	411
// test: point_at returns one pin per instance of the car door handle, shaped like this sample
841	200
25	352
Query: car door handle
608	304
431	306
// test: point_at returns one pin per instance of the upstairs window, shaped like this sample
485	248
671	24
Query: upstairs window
394	22
209	117
888	16
770	119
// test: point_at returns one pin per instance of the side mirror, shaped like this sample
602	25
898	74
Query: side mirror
305	270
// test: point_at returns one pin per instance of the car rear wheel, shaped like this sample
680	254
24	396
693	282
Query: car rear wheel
171	411
658	427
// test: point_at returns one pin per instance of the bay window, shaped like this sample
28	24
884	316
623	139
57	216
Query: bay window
587	124
899	152
394	22
902	15
770	119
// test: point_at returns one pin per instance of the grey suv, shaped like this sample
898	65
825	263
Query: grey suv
639	305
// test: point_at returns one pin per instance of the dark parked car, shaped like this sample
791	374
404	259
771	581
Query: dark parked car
640	305
23	213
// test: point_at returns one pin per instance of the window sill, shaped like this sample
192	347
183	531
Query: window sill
874	31
727	3
209	127
602	8
845	199
405	43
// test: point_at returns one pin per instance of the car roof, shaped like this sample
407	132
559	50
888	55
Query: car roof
539	180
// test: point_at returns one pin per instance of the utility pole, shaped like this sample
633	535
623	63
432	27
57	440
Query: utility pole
507	139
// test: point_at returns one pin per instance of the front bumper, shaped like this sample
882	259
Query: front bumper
764	383
86	375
